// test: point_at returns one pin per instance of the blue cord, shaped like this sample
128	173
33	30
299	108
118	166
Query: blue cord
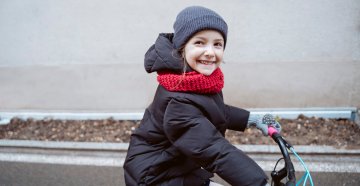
307	172
300	180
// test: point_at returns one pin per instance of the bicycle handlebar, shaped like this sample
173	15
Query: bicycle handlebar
288	171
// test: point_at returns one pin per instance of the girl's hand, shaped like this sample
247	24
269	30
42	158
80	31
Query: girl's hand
263	122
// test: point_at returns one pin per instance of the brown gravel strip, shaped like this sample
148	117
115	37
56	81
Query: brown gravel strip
300	131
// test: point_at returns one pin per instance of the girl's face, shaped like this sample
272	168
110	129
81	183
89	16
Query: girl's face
204	51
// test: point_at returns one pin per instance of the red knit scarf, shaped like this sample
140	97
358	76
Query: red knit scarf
192	82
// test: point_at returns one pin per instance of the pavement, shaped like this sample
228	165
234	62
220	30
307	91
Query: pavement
85	163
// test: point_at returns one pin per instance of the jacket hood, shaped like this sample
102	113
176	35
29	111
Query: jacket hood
163	56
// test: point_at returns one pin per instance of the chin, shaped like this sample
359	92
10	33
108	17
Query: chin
207	72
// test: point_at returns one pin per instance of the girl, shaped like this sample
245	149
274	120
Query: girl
180	140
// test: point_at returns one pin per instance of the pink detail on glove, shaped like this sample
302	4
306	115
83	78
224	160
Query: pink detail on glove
272	130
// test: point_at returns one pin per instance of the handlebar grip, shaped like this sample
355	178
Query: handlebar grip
272	130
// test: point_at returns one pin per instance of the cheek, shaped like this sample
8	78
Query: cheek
220	55
191	56
190	61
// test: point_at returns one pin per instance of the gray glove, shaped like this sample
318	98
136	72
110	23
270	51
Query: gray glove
263	122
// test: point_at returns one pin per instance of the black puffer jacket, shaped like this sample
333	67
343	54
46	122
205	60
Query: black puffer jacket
180	140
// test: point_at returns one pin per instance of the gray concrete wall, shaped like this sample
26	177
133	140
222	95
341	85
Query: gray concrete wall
88	55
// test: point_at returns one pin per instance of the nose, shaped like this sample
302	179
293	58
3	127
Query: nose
209	52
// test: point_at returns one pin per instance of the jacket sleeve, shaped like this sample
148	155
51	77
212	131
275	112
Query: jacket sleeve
196	137
237	118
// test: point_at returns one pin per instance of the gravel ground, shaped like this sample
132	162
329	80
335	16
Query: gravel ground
300	131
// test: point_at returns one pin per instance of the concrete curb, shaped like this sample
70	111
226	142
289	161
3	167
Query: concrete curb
122	147
65	145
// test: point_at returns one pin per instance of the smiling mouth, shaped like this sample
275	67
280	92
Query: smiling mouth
206	62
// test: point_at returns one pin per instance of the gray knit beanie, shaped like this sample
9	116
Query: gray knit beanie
194	19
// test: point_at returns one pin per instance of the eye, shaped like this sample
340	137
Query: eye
198	42
218	44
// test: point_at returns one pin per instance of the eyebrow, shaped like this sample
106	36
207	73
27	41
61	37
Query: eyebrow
199	37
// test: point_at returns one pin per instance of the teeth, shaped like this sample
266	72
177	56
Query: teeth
206	62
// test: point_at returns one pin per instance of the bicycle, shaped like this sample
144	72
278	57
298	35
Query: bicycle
288	170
